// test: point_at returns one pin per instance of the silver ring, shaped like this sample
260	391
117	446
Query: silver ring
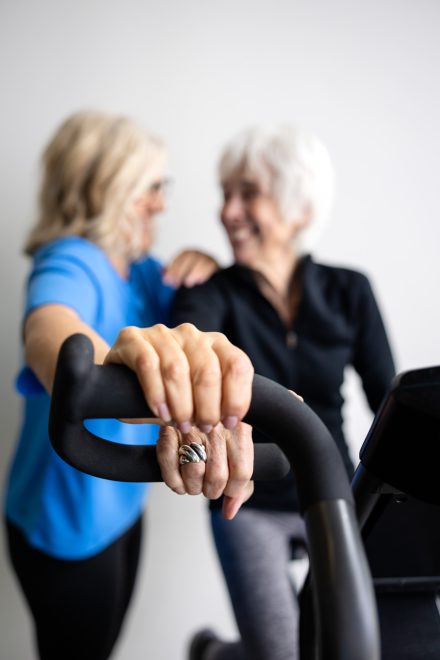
192	453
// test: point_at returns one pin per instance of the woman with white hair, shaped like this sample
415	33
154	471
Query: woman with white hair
301	323
74	540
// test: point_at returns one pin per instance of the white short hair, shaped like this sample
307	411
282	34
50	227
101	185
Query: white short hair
293	166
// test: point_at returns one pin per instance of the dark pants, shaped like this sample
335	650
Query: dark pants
78	606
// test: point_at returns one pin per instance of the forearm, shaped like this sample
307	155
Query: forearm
45	330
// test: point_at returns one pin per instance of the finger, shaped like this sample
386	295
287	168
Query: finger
231	505
132	349
162	370
169	270
206	375
192	474
172	364
240	450
216	471
168	457
166	376
190	267
241	463
237	373
196	273
200	269
174	373
178	268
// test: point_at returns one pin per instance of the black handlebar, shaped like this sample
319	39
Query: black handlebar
343	592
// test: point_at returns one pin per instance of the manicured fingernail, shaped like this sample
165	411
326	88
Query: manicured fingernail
230	422
164	412
205	428
185	427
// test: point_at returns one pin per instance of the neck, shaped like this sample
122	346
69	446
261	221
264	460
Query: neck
281	287
278	272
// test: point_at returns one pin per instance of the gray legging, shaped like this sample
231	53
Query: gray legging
255	550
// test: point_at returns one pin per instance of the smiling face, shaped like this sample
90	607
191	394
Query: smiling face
252	220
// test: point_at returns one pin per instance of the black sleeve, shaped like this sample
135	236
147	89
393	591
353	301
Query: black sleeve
204	306
372	357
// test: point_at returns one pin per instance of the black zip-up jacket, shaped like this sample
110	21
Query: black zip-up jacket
337	323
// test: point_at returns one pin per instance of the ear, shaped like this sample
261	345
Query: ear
305	219
299	223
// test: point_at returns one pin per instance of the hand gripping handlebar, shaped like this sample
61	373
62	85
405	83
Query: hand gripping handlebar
344	603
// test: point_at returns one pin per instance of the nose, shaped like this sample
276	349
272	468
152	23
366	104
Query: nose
232	209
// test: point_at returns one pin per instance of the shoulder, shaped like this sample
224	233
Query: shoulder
72	254
230	277
336	291
206	305
219	285
68	247
334	279
338	272
71	272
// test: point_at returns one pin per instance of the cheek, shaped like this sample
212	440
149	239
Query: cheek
221	215
271	221
263	219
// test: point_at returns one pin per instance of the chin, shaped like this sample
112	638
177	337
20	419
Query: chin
242	255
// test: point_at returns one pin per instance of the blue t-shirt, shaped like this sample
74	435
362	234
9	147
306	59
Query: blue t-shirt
61	511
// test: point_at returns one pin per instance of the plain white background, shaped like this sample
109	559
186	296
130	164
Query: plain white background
363	75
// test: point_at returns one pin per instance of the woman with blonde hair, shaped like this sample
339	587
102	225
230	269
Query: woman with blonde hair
74	540
301	323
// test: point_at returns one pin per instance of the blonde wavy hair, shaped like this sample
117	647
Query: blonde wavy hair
94	167
290	164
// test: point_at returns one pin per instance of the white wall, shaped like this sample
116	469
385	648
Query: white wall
363	75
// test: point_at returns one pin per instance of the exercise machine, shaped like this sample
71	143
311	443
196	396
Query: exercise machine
339	601
397	492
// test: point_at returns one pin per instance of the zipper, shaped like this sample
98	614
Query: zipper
291	340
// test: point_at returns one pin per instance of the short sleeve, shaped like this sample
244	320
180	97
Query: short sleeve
63	280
